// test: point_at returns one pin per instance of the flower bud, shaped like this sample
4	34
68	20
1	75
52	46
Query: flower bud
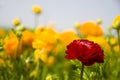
99	21
16	21
1	48
118	24
19	33
36	9
76	25
49	77
109	28
20	28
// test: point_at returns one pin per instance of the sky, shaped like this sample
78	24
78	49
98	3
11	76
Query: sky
64	13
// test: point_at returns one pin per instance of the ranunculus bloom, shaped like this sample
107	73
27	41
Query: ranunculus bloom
116	22
90	28
85	51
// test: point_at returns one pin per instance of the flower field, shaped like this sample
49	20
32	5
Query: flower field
84	53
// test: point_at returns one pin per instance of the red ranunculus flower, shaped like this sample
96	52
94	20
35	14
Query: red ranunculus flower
85	51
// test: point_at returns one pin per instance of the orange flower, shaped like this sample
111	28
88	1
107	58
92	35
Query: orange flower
28	37
68	36
101	41
90	29
11	47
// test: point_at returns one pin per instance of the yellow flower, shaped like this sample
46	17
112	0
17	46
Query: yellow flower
47	36
38	44
1	62
101	41
90	29
41	54
113	41
36	9
11	34
2	32
50	60
68	36
116	48
58	47
16	21
49	77
28	37
116	22
40	29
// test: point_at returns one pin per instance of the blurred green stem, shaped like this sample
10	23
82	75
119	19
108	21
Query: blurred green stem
39	70
82	70
18	46
118	36
36	20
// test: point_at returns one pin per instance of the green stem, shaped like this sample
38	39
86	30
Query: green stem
82	70
36	20
16	53
118	36
39	70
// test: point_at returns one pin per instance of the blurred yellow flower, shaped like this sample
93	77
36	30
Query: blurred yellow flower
116	48
113	41
11	34
1	62
68	36
45	35
49	77
50	61
36	9
48	35
116	22
90	29
101	41
38	44
39	29
2	33
16	21
41	54
28	37
58	47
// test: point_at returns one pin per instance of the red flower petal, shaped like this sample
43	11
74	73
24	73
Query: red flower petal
85	51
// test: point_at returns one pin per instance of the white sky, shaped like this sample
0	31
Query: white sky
62	12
